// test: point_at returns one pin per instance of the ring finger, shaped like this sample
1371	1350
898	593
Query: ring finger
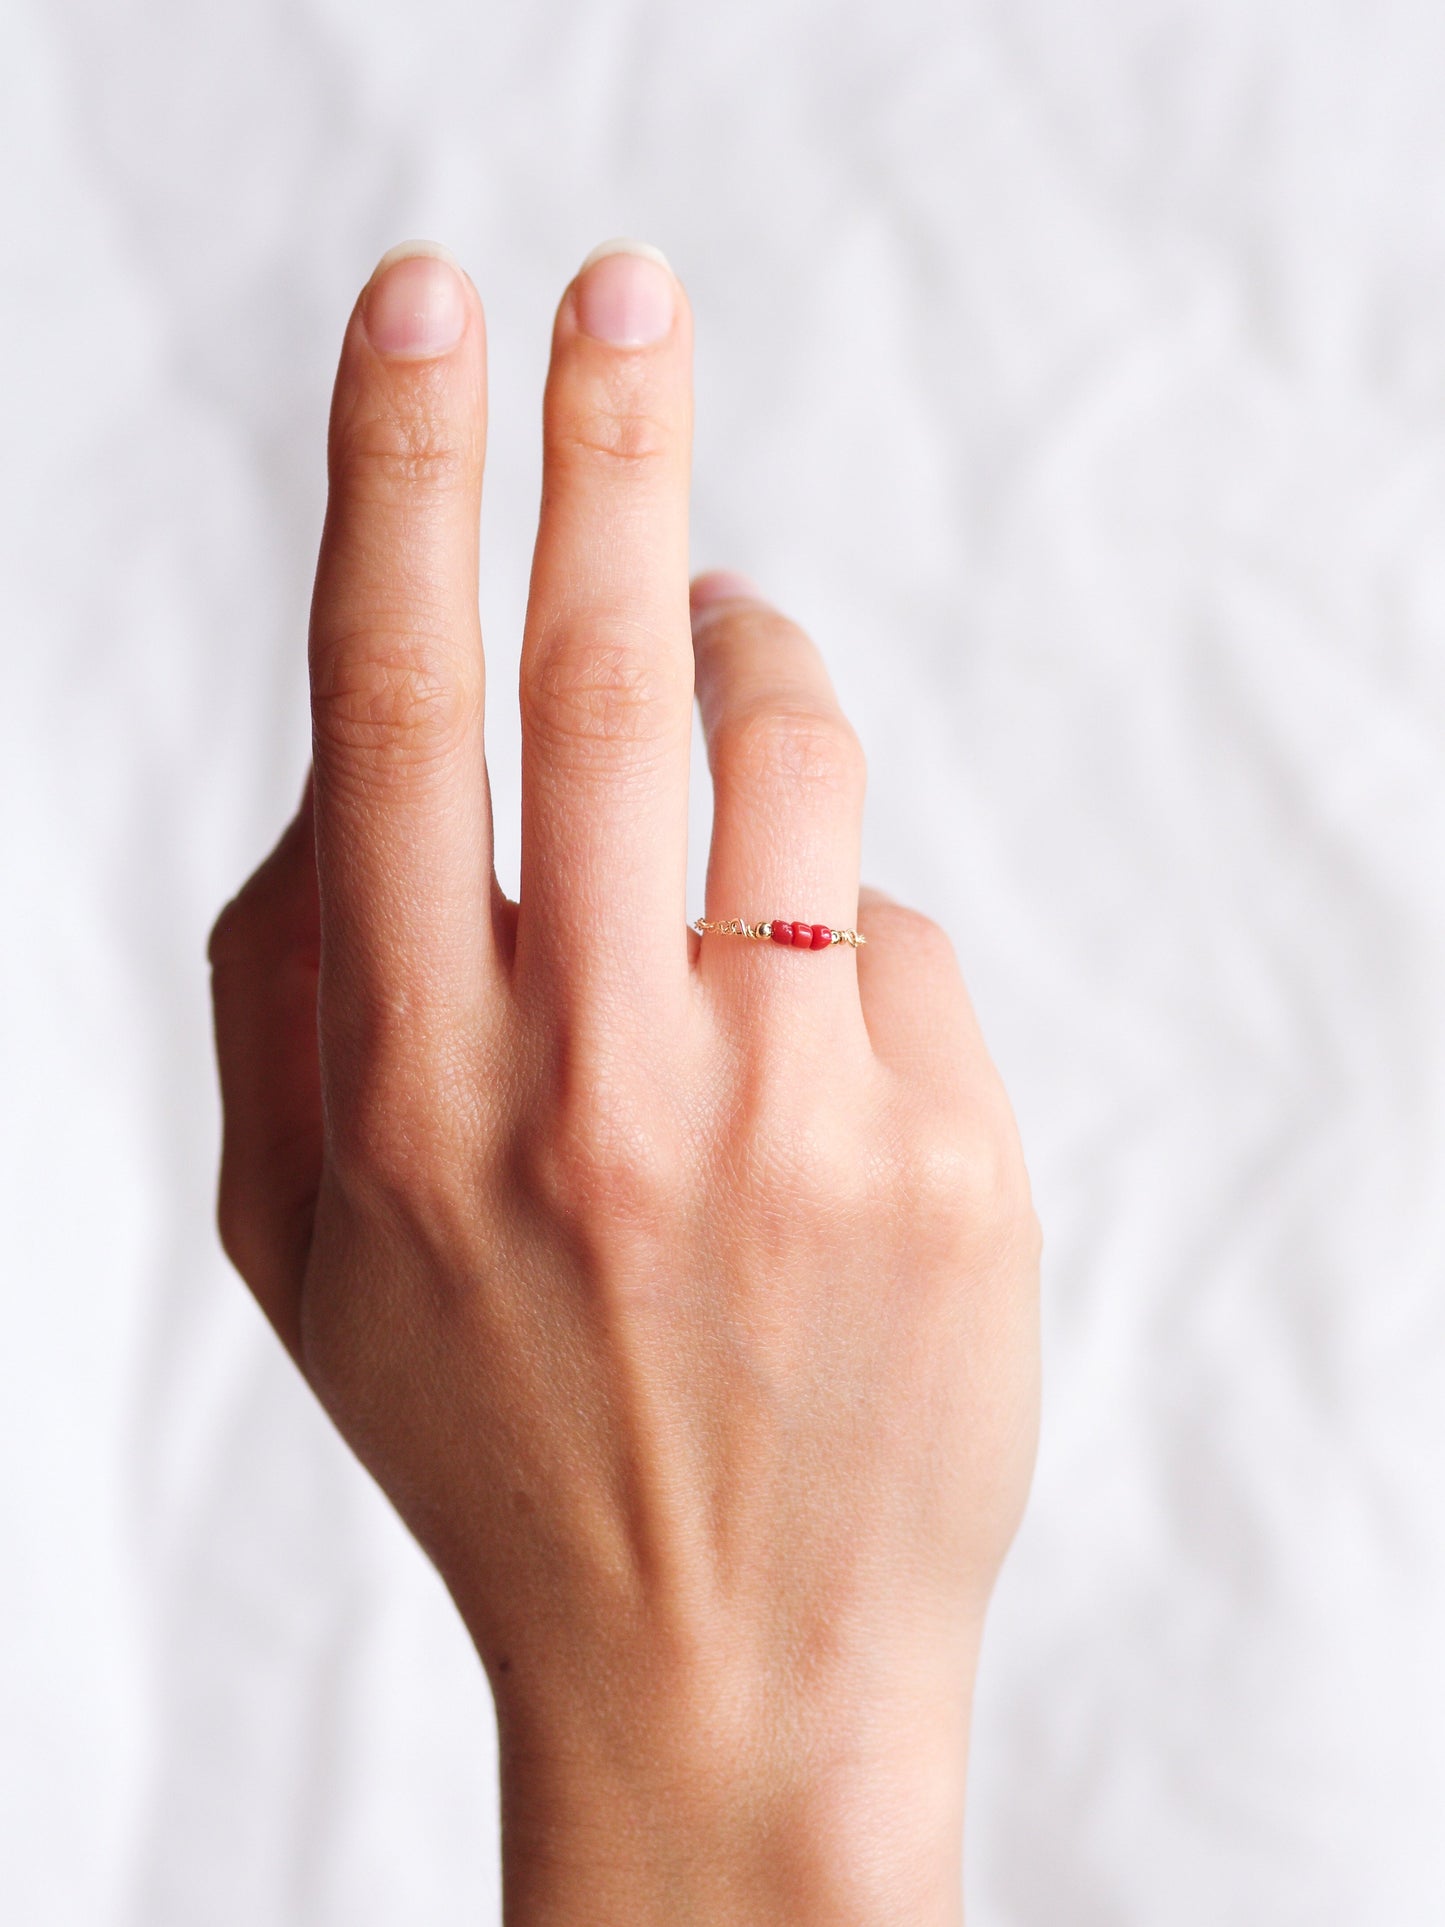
788	780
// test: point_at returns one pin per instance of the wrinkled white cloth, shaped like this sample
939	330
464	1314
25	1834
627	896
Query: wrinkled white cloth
1078	375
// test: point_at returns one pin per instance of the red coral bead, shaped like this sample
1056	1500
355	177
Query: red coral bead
781	932
822	936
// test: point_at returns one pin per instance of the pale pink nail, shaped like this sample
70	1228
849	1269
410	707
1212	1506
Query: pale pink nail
415	305
626	295
723	585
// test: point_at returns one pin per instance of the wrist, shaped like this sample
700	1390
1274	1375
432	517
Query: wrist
701	1808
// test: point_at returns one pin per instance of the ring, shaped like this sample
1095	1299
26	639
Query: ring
802	936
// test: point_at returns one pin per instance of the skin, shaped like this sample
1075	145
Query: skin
681	1293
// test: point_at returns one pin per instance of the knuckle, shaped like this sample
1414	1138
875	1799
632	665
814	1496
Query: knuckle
263	1220
397	696
395	452
615	436
372	1154
809	1159
271	917
834	1170
927	943
392	1153
969	1180
930	940
768	743
233	1225
606	1160
602	684
1031	1233
233	933
398	1098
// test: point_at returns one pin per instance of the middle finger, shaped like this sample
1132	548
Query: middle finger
606	681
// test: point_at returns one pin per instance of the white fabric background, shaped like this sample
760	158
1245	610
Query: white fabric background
1078	374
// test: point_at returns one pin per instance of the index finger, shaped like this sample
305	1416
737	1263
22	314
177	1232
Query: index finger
403	826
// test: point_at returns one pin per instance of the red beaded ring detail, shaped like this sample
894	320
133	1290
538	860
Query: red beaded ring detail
800	936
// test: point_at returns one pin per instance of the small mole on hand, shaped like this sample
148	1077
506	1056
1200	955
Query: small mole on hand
504	1665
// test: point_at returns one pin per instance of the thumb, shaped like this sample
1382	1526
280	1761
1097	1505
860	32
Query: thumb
264	954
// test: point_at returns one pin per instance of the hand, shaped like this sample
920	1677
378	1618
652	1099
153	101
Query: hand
679	1291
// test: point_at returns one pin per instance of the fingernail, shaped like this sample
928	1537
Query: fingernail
626	294
415	305
723	585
